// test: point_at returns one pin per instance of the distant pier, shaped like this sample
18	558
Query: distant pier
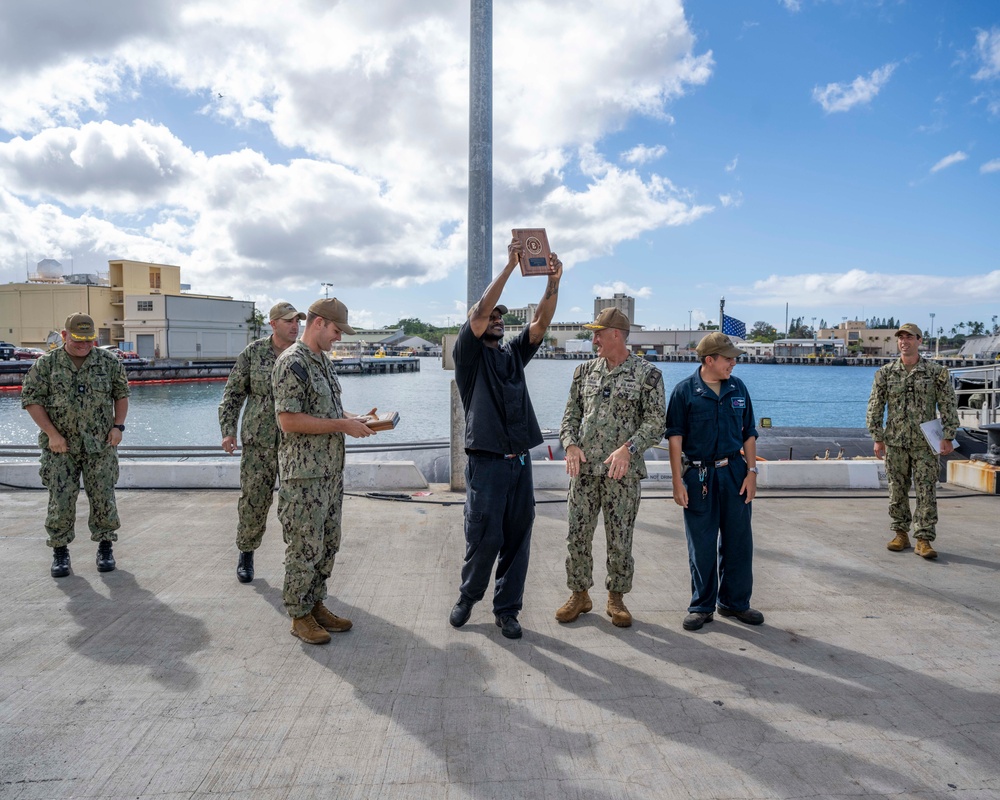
12	372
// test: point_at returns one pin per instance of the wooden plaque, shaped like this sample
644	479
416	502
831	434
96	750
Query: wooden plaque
383	422
534	250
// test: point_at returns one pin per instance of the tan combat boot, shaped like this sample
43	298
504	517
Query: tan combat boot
308	631
620	616
578	603
924	549
327	620
901	542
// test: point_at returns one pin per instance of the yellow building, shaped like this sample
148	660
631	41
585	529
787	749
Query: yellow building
138	304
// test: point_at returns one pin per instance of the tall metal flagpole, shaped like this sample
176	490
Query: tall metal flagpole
480	223
722	310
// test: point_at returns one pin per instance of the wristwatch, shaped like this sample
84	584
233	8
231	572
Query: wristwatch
754	470
630	446
120	427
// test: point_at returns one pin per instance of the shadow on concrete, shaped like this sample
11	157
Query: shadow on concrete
764	752
491	746
132	627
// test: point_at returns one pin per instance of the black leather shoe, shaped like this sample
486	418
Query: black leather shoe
60	562
750	617
244	567
696	619
509	627
105	557
461	612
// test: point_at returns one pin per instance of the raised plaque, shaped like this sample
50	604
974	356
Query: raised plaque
534	250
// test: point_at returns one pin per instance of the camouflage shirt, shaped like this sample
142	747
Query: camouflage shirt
80	402
304	383
250	381
608	408
911	397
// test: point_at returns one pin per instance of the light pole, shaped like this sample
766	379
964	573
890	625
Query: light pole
326	289
932	331
815	343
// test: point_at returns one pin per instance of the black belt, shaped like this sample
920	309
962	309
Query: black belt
718	463
491	454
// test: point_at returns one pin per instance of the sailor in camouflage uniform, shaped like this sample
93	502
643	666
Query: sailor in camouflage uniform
616	410
914	390
78	396
250	382
311	466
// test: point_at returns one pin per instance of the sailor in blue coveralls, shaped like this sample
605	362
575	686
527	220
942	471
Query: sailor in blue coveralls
709	419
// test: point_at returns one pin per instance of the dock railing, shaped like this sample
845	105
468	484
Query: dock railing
978	390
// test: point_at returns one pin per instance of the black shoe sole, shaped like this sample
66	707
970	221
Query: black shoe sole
244	578
107	567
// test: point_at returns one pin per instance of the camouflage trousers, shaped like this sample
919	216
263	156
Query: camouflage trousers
258	472
590	495
310	511
921	466
60	473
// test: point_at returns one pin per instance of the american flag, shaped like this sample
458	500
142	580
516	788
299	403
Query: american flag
733	327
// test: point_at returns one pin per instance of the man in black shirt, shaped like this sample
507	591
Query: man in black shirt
500	429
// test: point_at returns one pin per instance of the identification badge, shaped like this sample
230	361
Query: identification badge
739	402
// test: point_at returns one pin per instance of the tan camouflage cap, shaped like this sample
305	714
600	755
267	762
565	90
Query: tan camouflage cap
910	327
80	327
285	311
333	310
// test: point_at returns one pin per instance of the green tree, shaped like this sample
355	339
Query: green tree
589	335
763	332
256	322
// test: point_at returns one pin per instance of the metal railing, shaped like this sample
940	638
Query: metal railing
978	390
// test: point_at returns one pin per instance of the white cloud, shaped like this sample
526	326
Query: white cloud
836	97
844	289
358	155
641	154
731	166
990	166
731	200
792	5
988	53
620	287
955	158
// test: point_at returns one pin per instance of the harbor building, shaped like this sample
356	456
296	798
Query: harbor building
136	305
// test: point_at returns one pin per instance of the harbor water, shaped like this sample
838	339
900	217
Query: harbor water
187	413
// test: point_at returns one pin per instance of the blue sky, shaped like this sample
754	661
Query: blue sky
840	157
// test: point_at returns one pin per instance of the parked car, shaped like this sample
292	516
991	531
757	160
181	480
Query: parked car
6	351
129	358
28	353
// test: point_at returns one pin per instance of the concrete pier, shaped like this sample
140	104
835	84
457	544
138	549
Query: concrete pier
876	674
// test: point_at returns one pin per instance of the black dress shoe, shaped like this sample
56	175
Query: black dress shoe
461	612
244	567
60	562
750	617
105	557
509	627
